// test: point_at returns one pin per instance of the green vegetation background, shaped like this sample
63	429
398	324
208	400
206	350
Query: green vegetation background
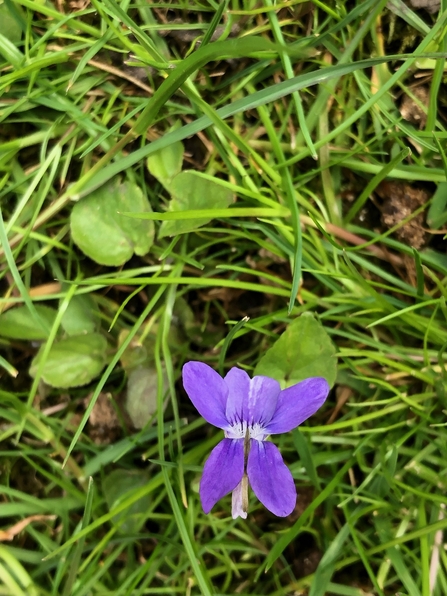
273	159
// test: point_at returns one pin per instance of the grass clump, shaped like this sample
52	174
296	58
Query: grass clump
166	170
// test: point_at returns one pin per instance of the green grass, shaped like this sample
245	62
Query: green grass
292	108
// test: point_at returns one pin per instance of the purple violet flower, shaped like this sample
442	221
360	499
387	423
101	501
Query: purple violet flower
248	410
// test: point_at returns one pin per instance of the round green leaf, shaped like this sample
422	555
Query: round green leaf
304	350
102	233
119	485
18	323
136	354
141	397
166	163
73	361
80	316
190	191
9	26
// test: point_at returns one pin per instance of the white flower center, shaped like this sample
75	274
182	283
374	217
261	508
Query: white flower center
238	430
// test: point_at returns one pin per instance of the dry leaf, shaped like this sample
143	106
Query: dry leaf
11	533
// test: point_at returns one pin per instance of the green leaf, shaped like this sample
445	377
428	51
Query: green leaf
122	483
437	214
190	191
9	26
73	361
253	100
102	233
166	163
141	397
304	350
18	323
291	534
136	354
80	316
229	48
326	567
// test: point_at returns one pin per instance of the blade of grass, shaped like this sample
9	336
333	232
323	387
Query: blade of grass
75	559
229	338
17	278
111	366
101	174
284	540
374	182
326	567
10	369
222	7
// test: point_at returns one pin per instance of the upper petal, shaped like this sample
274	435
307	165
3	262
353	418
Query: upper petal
296	403
270	478
207	391
250	400
222	472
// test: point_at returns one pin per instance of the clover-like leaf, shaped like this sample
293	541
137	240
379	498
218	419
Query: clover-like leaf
304	350
103	233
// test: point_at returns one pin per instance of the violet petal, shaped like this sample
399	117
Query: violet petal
270	478
250	400
296	403
207	391
222	472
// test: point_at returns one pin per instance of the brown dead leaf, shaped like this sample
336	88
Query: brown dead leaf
342	394
104	423
37	291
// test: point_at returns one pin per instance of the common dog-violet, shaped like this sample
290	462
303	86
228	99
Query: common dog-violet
248	410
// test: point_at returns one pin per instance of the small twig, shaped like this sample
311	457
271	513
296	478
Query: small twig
42	290
122	75
11	533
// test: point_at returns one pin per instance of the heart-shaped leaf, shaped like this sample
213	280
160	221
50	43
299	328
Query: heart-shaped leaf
73	361
141	398
304	350
81	316
9	26
191	191
18	323
166	163
437	214
136	354
117	486
102	233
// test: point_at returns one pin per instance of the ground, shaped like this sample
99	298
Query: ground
189	181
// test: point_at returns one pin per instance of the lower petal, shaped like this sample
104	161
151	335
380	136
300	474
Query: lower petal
222	472
237	500
270	478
